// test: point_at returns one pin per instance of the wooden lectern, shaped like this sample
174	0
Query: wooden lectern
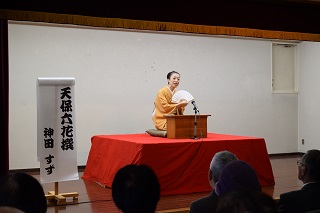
183	126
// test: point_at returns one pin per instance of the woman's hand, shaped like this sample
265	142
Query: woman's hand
182	104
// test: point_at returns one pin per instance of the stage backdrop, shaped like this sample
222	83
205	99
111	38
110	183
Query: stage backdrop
119	73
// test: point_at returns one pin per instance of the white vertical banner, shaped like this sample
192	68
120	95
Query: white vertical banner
56	130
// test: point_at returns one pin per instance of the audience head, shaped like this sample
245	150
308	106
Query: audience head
240	201
23	192
136	188
237	175
219	160
309	166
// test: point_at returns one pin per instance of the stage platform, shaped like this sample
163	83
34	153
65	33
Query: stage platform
181	164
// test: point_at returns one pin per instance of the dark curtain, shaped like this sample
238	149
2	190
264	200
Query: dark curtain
4	108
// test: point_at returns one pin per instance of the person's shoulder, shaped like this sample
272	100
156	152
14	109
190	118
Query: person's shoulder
290	194
299	201
165	88
199	201
164	91
206	199
311	186
8	209
204	204
301	194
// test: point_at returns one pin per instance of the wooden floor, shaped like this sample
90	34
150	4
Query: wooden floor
94	198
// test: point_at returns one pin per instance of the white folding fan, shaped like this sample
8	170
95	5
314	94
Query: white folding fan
181	95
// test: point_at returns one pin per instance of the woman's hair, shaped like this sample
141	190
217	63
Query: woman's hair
136	188
171	73
23	192
237	175
246	201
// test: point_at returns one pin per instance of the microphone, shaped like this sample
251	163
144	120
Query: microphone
195	108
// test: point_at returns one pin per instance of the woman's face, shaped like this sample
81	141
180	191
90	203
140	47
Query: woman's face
174	80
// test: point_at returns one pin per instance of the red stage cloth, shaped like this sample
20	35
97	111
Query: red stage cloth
181	164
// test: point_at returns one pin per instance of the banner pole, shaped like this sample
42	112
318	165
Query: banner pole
56	188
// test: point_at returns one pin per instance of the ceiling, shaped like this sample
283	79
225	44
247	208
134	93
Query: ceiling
277	15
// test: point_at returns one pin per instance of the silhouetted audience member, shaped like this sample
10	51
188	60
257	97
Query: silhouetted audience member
24	192
246	201
206	204
6	209
237	175
136	188
308	197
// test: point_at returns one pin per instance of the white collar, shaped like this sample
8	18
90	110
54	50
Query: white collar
170	90
307	184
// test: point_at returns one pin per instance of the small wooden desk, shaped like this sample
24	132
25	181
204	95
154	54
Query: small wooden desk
183	126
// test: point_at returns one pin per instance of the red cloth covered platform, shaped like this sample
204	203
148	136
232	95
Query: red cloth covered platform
181	164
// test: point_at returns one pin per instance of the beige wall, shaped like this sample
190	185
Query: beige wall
118	74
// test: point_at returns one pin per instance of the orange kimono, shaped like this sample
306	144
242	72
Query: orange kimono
162	106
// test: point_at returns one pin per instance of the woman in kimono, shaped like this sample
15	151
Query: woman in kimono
163	104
